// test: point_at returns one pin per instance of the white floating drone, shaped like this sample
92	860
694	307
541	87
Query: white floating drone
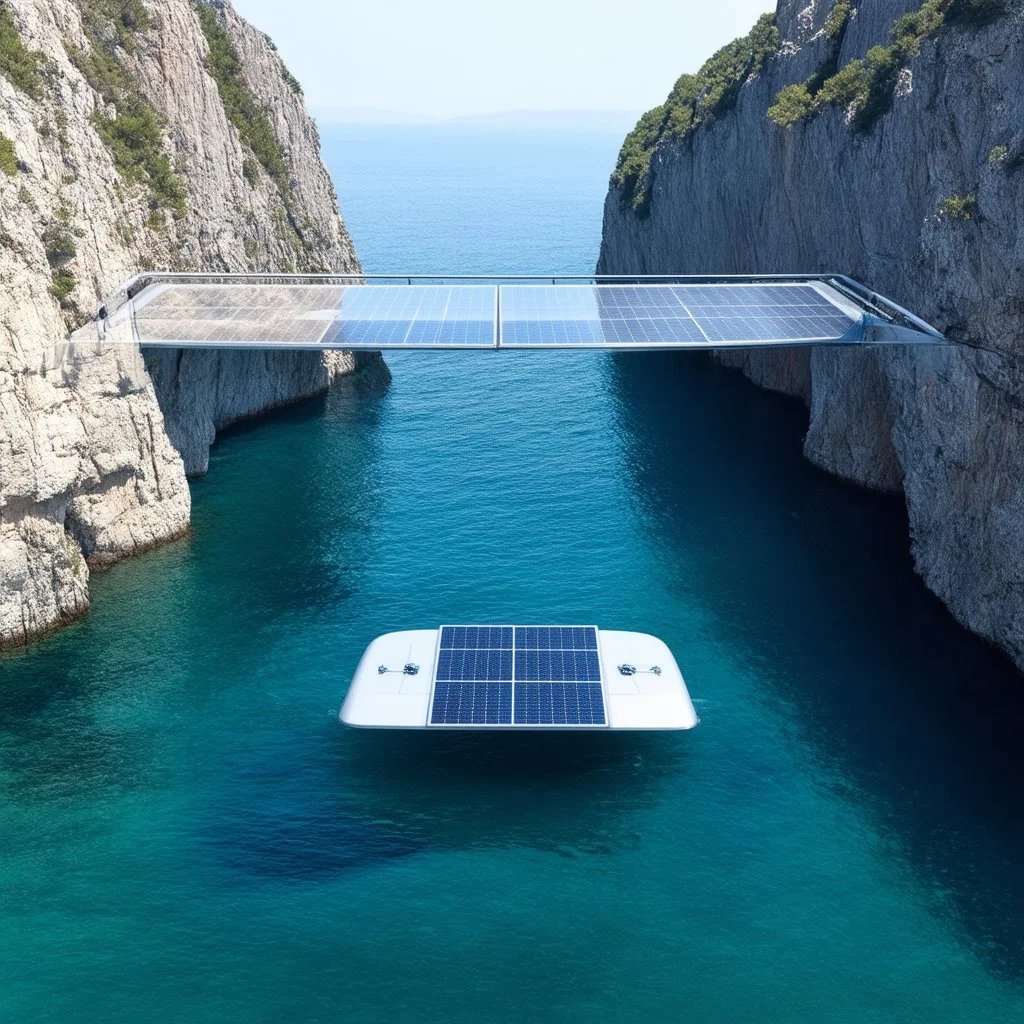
518	677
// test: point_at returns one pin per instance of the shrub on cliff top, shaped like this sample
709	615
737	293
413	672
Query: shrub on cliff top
869	85
59	243
882	65
960	207
694	100
837	19
846	86
291	81
912	28
791	105
134	135
634	162
123	17
8	156
136	142
726	72
19	65
241	106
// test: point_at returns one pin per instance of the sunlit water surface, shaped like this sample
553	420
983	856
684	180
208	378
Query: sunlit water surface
188	834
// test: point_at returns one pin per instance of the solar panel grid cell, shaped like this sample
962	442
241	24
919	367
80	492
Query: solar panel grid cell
474	666
557	666
471	704
555	638
473	637
472	678
559	704
558	676
414	316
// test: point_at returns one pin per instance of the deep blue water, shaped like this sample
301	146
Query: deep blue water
187	833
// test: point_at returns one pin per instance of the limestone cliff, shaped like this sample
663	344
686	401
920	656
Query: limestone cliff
896	156
134	134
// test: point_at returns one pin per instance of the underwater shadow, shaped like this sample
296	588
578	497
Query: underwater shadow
381	795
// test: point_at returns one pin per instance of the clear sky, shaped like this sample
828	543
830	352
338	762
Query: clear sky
445	58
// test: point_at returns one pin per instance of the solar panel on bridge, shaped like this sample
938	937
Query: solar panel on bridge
522	675
671	315
294	311
318	316
446	316
232	315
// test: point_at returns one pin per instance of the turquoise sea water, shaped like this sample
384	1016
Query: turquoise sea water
187	834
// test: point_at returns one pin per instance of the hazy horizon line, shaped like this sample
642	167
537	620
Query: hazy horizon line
556	117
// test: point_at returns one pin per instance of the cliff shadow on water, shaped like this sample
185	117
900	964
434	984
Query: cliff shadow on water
809	581
244	566
313	571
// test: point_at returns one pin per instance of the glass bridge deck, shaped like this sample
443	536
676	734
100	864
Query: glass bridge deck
330	312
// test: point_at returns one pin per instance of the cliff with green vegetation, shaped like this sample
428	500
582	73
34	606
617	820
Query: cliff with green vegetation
134	135
883	140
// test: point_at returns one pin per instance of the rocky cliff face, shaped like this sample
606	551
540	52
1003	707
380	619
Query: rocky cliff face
917	189
134	134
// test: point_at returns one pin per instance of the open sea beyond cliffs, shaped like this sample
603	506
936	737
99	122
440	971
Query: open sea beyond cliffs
188	834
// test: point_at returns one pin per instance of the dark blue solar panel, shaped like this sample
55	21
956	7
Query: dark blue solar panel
356	333
651	330
479	665
562	638
559	704
413	315
471	704
628	301
558	666
662	330
556	672
476	637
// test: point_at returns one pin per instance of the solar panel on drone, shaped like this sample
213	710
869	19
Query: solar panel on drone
557	676
672	315
473	676
559	704
317	316
522	675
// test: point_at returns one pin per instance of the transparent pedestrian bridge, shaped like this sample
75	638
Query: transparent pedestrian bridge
285	311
